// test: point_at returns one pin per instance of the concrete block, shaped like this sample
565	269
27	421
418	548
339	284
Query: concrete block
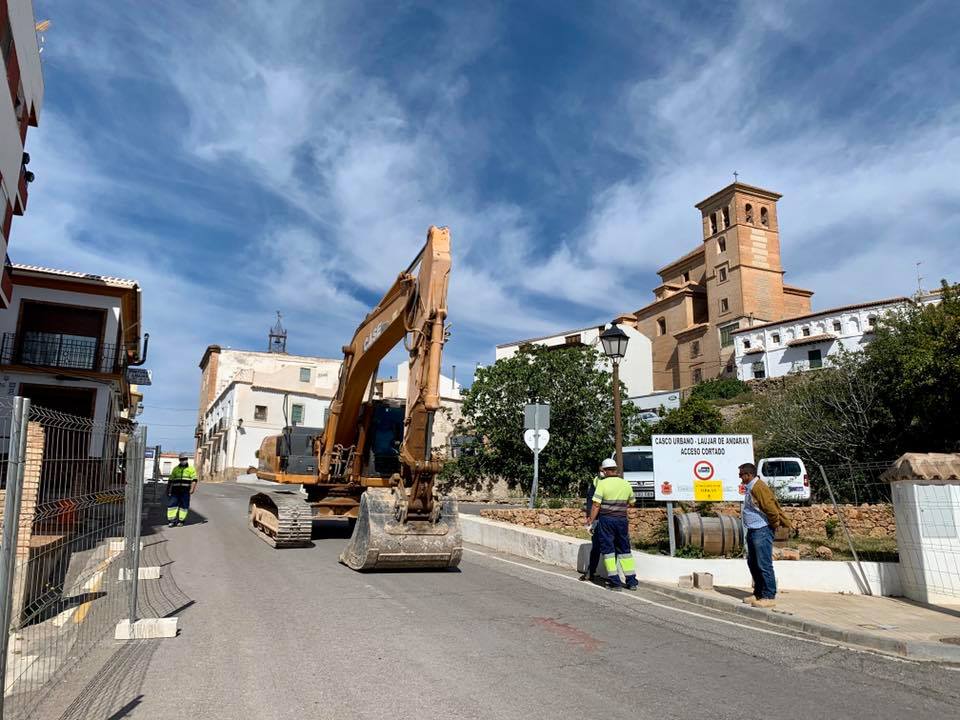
686	581
147	629
118	545
146	573
703	580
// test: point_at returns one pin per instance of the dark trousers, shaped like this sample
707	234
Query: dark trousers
614	536
760	562
594	553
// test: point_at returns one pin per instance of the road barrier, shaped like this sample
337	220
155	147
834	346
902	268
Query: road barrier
69	558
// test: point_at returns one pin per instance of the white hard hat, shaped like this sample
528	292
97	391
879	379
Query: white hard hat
608	463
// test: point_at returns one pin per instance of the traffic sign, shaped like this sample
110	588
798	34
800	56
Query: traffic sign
530	437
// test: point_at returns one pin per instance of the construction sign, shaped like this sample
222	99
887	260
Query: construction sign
702	468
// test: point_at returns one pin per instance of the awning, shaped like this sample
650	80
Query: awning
810	340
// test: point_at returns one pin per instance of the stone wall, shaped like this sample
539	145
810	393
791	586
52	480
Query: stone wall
648	524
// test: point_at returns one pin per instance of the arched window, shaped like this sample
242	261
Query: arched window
662	326
763	216
749	212
721	244
855	325
791	334
726	216
713	223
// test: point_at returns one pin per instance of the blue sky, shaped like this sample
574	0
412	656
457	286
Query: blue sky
238	158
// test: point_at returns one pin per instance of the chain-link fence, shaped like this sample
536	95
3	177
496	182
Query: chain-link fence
898	511
68	563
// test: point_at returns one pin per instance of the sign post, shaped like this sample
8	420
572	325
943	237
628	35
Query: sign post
536	421
698	468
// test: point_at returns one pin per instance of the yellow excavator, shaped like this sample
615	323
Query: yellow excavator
373	462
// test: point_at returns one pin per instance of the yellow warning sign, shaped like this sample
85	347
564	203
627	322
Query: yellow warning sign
708	490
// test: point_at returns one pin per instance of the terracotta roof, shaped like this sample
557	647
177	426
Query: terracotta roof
88	277
810	340
821	313
925	466
562	333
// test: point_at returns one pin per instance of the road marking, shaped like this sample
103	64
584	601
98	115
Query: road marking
646	601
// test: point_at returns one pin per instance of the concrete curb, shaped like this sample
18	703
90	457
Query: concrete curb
563	551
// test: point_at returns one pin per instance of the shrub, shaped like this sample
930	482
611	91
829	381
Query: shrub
830	527
719	389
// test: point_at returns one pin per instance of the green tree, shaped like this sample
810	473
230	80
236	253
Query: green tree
573	380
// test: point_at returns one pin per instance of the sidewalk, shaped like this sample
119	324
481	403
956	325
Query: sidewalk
892	625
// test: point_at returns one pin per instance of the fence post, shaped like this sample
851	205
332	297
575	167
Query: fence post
846	532
16	460
135	473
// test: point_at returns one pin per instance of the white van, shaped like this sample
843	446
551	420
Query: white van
638	470
786	476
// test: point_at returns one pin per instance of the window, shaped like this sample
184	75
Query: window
697	376
726	339
816	359
638	461
855	325
304	374
721	244
572	340
806	332
686	276
758	371
749	212
260	413
695	349
726	216
724	305
746	344
837	327
65	336
781	468
776	338
296	415
713	223
722	274
871	322
662	326
763	216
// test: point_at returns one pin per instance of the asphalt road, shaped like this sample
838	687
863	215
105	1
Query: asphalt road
293	634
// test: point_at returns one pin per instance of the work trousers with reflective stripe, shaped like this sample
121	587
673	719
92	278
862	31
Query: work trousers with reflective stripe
613	533
178	504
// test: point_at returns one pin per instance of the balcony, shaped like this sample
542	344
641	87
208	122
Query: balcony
55	350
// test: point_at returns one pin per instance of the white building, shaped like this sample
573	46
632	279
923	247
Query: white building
167	462
19	109
451	402
66	341
636	368
807	342
247	396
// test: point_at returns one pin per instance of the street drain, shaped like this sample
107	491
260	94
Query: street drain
951	640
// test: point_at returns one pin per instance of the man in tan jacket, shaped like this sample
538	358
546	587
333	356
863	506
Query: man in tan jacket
761	516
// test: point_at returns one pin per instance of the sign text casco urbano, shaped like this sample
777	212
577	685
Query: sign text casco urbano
701	468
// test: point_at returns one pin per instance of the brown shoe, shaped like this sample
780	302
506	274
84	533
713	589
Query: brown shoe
749	600
764	603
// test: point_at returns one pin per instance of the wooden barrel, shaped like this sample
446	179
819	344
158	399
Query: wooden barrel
721	535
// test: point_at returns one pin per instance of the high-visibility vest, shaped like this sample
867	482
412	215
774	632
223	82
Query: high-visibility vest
614	495
182	477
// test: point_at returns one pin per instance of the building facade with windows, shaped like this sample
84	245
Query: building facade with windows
451	404
807	342
732	279
19	109
635	368
247	396
67	339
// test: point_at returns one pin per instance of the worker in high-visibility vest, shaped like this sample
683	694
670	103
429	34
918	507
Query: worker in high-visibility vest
591	571
180	486
610	502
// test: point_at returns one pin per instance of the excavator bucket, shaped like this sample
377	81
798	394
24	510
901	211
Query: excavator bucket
380	542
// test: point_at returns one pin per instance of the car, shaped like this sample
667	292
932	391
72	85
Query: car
638	470
787	477
649	417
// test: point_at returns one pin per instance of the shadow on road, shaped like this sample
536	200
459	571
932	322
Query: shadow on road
115	691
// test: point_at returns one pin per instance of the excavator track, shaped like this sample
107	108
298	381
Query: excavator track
281	519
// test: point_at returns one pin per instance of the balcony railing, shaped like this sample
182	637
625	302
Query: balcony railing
69	352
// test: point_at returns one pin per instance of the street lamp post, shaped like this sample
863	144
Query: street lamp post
615	347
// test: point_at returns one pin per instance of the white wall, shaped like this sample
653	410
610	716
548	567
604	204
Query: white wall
636	368
779	359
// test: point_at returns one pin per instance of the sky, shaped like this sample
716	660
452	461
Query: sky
240	158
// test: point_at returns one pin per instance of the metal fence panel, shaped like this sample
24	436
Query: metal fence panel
79	509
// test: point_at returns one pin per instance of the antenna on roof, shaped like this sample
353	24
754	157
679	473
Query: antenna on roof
278	337
919	278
